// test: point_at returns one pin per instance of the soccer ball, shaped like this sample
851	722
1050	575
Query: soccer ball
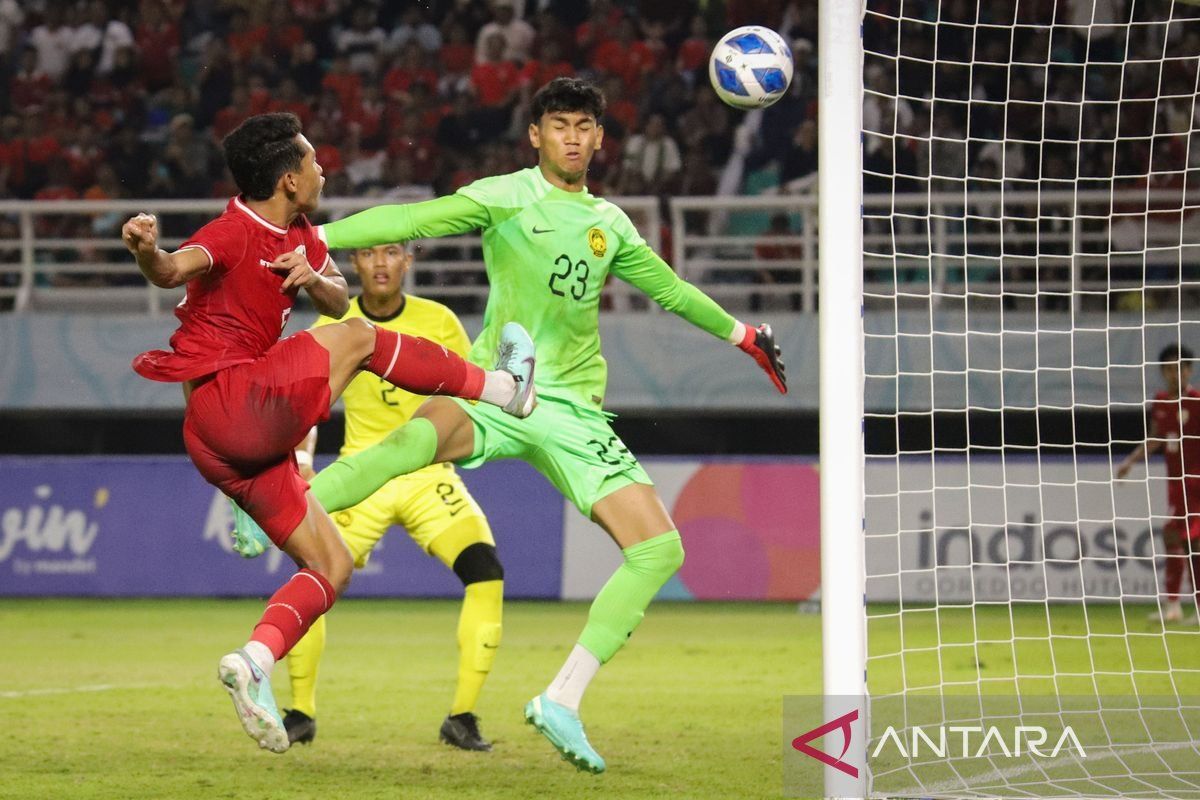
750	67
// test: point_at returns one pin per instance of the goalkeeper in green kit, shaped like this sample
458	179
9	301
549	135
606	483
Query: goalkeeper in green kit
549	246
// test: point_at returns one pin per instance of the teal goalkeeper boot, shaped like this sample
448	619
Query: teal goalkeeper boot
564	729
249	540
250	689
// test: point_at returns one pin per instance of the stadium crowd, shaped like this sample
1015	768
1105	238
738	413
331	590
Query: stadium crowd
111	100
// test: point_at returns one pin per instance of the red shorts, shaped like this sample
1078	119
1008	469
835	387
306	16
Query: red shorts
241	428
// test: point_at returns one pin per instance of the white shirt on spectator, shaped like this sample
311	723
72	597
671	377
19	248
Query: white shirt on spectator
367	168
362	47
53	49
116	36
653	159
86	37
11	17
426	35
518	34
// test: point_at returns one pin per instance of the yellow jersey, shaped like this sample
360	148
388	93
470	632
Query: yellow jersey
375	408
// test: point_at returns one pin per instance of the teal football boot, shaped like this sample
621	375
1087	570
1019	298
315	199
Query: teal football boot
249	539
250	689
564	729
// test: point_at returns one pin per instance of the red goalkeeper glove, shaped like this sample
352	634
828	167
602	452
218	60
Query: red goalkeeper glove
760	344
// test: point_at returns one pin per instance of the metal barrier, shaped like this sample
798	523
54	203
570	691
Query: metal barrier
749	253
68	254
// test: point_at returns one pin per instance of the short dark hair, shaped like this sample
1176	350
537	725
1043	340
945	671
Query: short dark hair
1175	352
261	150
567	94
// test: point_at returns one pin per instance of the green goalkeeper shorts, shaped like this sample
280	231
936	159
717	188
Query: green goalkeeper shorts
574	447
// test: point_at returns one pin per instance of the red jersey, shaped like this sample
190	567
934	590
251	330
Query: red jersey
234	312
1177	422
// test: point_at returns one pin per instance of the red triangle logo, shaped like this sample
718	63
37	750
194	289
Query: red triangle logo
801	743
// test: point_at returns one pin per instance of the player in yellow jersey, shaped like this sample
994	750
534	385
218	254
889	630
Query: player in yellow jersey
432	504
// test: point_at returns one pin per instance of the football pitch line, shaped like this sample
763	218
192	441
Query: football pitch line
99	687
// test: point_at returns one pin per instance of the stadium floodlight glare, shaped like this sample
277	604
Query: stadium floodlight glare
1028	229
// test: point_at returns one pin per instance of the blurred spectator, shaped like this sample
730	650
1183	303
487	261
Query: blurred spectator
288	98
800	160
284	35
652	157
367	117
598	28
517	35
549	65
12	157
129	76
189	158
495	79
305	67
363	167
413	67
116	36
415	144
247	34
698	176
30	85
457	54
462	130
398	182
414	27
11	17
130	159
363	42
621	110
772	250
694	51
345	83
216	83
52	42
157	39
327	153
625	56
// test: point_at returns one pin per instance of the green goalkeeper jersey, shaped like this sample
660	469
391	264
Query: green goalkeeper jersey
548	253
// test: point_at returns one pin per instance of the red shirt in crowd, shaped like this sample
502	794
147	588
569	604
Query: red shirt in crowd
493	82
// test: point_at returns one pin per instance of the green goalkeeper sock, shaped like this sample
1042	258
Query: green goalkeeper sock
350	480
621	604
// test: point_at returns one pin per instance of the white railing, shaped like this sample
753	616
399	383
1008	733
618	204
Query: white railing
1076	244
43	269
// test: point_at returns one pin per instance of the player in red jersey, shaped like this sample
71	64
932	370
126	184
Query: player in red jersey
252	397
1175	430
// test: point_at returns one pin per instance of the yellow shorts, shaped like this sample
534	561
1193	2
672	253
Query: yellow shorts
426	503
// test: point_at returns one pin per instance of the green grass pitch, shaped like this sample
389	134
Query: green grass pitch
119	699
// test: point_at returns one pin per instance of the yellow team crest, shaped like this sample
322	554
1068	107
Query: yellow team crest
597	242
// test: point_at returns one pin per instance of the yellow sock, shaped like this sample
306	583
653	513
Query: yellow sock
302	662
478	637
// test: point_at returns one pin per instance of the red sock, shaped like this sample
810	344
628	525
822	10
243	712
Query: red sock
290	612
423	367
1174	569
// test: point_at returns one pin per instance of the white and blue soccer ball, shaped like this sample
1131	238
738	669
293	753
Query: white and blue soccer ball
750	67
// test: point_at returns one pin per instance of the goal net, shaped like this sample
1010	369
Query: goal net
1031	244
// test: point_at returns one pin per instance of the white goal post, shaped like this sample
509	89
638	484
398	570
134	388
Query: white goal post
1009	238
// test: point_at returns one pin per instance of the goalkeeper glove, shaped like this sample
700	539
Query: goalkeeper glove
759	343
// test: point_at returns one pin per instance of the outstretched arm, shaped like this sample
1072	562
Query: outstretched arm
1146	448
428	219
642	267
